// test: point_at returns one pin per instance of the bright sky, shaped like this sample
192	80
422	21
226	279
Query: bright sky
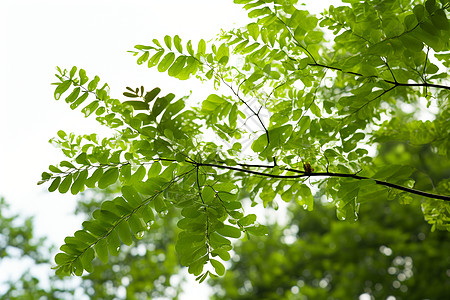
37	36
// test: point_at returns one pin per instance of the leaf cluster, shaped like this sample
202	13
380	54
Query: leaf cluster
297	112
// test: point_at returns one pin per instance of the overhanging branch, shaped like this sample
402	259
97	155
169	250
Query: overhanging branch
303	174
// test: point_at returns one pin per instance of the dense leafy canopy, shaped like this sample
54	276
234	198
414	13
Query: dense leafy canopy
300	105
315	257
389	252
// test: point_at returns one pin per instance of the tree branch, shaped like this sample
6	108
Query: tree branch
321	174
426	84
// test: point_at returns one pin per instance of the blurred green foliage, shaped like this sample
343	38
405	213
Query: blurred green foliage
350	112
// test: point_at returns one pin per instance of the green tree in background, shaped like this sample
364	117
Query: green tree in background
301	104
19	244
390	251
317	257
147	271
138	273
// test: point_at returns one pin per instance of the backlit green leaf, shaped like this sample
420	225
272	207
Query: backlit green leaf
65	184
101	249
166	62
108	178
168	41
124	233
218	266
229	231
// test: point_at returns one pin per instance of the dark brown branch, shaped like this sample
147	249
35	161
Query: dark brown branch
251	109
426	84
323	174
335	68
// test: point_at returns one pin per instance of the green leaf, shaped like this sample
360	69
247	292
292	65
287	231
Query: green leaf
62	135
113	242
154	170
79	101
430	5
439	19
61	88
108	178
247	220
259	12
201	47
217	240
159	204
166	62
218	266
77	267
65	163
86	259
196	267
155	41
172	110
137	105
177	43
160	105
83	77
62	258
419	12
97	228
189	48
139	174
229	231
168	41
223	254
154	60
258	230
411	43
72	72
84	236
123	206
315	109
253	30
91	181
54	169
143	58
74	95
137	225
93	84
233	116
202	277
212	102
124	233
222	52
90	108
149	96
147	214
101	248
304	124
65	184
82	159
306	198
54	185
131	195
177	66
130	95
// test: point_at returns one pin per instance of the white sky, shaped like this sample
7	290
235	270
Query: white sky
37	36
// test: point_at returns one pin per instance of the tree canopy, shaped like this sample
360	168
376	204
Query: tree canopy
301	108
